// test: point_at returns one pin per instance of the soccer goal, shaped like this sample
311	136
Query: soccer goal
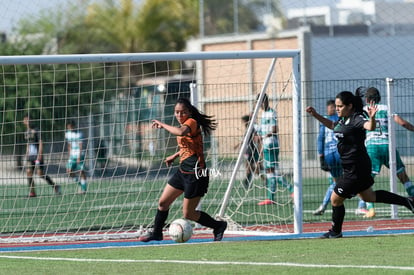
112	99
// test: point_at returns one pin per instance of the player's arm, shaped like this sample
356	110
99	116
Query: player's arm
321	148
275	130
27	148
40	153
69	148
169	160
177	131
403	122
321	140
327	122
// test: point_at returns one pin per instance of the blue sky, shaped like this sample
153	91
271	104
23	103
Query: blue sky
12	10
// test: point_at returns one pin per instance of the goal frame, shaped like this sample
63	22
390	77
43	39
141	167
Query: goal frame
272	55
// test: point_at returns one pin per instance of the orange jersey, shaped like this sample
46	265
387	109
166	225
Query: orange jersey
191	144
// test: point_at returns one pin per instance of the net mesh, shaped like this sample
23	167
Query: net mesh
112	104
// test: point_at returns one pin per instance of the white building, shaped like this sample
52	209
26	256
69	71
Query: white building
351	12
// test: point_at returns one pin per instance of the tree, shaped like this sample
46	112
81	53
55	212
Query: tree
51	24
166	25
156	26
48	92
113	24
219	17
105	26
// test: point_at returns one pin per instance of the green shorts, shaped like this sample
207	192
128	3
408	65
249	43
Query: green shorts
271	158
379	156
270	152
73	165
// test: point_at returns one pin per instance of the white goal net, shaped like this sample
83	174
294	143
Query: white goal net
112	99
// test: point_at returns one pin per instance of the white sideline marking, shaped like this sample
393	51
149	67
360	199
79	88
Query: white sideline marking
209	262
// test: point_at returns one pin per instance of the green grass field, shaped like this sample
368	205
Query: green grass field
116	203
350	255
129	203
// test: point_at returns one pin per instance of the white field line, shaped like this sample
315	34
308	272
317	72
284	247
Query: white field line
382	267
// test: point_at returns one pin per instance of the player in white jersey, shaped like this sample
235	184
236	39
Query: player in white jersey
377	142
268	131
34	158
76	161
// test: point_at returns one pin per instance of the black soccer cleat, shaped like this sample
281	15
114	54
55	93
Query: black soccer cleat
219	232
411	203
331	235
150	237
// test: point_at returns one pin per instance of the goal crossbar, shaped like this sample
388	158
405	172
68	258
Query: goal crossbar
135	57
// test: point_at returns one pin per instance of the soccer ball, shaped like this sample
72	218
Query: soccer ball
181	230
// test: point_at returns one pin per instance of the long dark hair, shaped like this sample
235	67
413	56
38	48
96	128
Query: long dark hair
207	123
348	98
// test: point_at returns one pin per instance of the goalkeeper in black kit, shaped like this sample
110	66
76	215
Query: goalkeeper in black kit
34	158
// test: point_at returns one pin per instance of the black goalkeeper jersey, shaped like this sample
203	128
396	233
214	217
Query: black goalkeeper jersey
351	133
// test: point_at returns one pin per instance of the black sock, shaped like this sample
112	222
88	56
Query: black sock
206	220
159	222
391	198
338	214
30	181
48	180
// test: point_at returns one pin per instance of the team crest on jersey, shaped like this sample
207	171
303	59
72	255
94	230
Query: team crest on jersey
339	135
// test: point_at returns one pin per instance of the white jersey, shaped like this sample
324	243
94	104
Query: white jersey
379	136
75	140
268	121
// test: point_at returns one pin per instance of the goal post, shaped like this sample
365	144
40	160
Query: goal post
113	98
297	167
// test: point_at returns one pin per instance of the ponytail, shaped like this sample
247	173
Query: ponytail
207	123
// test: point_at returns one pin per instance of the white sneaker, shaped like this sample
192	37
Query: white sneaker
361	211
